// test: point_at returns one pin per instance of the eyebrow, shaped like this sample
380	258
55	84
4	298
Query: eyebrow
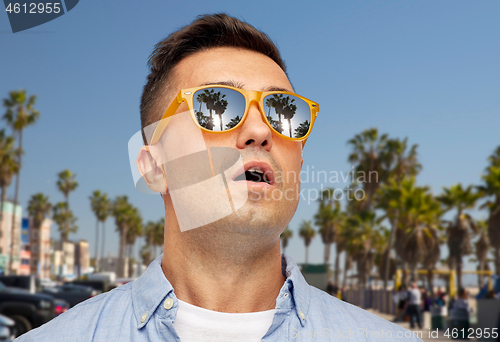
240	85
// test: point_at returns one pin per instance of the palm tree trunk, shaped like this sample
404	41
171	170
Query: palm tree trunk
459	272
337	262
480	277
497	260
327	252
307	255
96	260
130	264
16	198
121	253
414	272
405	274
430	279
391	242
2	201
346	263
103	239
290	127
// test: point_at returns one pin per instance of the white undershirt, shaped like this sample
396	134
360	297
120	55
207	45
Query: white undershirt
195	324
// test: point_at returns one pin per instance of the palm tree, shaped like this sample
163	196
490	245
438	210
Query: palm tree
94	205
289	109
276	102
220	106
302	129
491	191
149	235
19	115
207	97
383	258
307	233
126	217
158	234
361	238
202	98
456	197
233	122
368	151
100	206
326	220
65	219
39	208
482	247
9	166
397	164
103	213
285	236
340	247
134	231
66	183
414	215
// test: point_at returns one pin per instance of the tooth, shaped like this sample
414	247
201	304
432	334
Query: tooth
256	169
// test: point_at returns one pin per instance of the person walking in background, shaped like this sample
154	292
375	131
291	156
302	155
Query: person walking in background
414	305
462	302
400	299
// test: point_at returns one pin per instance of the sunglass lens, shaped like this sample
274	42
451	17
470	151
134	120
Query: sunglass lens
288	115
218	109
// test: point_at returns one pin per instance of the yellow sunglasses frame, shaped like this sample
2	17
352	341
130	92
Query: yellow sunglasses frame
186	95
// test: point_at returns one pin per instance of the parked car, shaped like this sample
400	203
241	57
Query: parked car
26	282
100	285
43	283
7	331
27	310
73	294
60	306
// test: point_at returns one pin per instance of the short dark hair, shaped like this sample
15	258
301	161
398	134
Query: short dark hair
207	31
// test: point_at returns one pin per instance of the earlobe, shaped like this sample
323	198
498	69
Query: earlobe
150	170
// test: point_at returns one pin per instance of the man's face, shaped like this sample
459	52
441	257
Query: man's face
269	207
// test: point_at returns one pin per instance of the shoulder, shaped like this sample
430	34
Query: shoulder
80	322
343	318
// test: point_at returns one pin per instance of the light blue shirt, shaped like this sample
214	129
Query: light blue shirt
145	310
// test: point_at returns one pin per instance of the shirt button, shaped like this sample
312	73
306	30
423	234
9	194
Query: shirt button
285	295
301	314
168	303
143	317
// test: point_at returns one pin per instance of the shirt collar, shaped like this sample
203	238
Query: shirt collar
297	285
149	290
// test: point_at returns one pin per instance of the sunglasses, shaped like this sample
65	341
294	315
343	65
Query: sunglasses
220	108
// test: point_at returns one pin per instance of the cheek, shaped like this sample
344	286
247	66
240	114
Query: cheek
289	156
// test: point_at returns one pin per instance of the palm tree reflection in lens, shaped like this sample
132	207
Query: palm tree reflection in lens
214	102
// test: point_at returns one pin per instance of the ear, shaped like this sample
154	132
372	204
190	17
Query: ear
151	171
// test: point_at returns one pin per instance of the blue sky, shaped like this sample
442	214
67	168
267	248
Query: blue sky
428	71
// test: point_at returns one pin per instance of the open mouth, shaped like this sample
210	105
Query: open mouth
254	174
257	172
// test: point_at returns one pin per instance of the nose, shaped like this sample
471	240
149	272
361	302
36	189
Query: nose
254	131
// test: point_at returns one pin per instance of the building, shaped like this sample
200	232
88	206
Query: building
82	257
25	253
64	259
5	236
40	248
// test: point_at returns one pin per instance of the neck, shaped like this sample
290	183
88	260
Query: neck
219	270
